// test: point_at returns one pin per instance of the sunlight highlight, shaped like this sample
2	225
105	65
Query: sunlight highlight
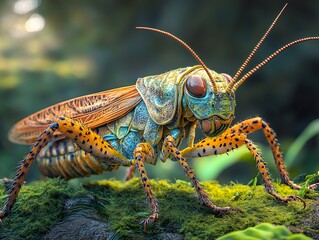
25	6
35	23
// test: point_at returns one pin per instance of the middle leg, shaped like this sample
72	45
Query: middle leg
170	149
142	153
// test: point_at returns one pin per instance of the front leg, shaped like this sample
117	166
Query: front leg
170	149
235	137
251	125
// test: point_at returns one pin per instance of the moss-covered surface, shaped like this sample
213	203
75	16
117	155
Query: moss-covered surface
123	205
264	231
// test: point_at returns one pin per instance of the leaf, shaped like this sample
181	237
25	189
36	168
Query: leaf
296	147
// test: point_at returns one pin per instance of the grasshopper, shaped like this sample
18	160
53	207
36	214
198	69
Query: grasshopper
146	122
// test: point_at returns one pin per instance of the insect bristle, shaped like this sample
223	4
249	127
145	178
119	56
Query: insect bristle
199	60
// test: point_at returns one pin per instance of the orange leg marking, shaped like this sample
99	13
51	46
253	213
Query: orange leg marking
169	148
84	137
249	126
262	168
91	142
142	153
24	168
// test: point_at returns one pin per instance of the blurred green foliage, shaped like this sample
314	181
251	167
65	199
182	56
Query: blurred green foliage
86	47
296	147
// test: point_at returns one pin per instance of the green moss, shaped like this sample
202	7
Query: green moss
123	205
38	206
264	231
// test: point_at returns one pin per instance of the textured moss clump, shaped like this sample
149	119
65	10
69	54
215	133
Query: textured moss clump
123	205
38	206
264	231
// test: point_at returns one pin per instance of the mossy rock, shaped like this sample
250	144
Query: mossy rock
58	209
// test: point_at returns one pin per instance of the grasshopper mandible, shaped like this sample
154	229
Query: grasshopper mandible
145	122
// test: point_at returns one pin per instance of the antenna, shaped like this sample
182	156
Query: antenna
189	49
244	65
263	63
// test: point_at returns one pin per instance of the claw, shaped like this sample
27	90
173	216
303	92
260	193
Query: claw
288	199
150	220
295	198
204	200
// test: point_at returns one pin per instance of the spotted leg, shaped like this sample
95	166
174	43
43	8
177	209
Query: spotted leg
261	165
169	149
145	153
84	137
249	126
23	168
235	137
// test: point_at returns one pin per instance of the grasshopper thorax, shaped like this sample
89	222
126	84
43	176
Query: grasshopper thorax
214	110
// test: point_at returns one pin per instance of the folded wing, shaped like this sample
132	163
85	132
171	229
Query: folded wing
93	110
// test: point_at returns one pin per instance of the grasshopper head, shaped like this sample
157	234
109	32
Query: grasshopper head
210	96
214	109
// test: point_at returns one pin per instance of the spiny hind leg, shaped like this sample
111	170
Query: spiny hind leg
145	153
23	168
169	149
229	141
84	137
94	156
84	153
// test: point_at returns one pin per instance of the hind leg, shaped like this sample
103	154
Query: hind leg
24	168
84	137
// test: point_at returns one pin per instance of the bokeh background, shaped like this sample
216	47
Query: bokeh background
52	51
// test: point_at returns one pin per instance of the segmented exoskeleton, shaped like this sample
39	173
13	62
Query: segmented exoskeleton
140	124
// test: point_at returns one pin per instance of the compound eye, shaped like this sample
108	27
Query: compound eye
228	78
196	86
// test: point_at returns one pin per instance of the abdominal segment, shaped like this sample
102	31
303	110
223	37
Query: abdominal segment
63	158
